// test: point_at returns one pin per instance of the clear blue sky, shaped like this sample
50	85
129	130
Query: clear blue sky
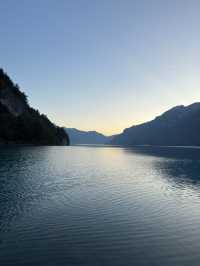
102	64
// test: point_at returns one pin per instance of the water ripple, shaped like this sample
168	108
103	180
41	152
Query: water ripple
99	206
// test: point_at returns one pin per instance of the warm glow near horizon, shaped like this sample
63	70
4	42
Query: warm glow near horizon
104	65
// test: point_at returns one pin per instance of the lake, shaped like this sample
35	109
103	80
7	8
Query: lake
84	205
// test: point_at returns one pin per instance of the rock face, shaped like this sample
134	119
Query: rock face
179	126
21	124
86	137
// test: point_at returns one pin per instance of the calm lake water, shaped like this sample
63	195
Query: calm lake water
99	206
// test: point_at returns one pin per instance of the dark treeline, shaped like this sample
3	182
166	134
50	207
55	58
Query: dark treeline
19	123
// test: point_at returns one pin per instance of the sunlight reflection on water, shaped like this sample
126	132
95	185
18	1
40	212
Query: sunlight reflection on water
99	206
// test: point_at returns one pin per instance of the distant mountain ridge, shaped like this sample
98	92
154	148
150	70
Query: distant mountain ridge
178	126
21	124
86	137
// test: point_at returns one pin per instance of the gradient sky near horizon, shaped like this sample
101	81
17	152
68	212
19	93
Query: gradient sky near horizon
102	64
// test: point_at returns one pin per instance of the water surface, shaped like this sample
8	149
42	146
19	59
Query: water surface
99	206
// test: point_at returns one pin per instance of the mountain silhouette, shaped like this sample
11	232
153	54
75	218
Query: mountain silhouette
21	124
86	137
179	126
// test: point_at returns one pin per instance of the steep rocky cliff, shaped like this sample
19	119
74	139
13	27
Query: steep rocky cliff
21	124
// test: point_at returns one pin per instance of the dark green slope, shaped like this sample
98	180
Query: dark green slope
21	124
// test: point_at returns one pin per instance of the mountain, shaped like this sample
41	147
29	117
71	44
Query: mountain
177	126
21	124
86	137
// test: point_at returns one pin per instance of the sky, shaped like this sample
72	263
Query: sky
102	65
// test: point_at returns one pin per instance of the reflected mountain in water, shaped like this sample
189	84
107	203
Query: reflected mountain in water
178	164
99	206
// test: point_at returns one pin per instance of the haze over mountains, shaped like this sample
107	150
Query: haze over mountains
21	124
178	126
87	137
